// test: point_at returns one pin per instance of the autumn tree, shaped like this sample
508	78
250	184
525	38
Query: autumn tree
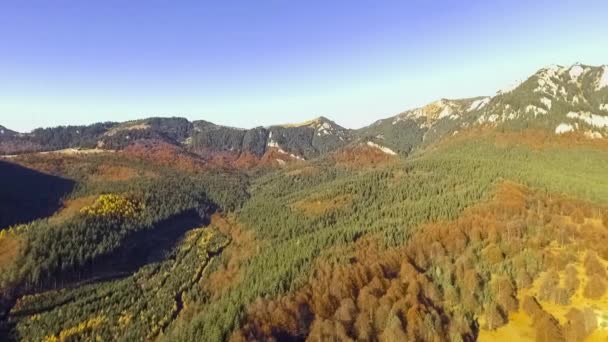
571	281
595	288
548	329
495	318
578	216
580	324
394	330
505	294
593	265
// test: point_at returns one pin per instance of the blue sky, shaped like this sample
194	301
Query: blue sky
250	63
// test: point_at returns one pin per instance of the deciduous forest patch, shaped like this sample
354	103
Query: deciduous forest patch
449	276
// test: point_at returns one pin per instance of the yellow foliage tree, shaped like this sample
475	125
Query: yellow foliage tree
114	205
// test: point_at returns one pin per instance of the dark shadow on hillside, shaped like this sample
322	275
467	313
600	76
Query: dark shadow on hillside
137	250
26	194
7	331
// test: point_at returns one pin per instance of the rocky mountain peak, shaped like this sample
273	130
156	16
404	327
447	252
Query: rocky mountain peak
562	99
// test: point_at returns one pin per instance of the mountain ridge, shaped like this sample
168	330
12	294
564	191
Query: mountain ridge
557	98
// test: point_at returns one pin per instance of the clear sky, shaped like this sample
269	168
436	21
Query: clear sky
259	62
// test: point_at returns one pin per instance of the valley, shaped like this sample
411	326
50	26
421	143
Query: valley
471	219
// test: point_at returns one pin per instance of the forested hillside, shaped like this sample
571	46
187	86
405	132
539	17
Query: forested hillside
462	220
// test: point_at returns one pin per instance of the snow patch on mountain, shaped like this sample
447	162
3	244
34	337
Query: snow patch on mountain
417	113
488	118
576	71
478	104
324	129
381	148
293	156
535	110
296	157
545	80
564	128
546	86
591	119
272	143
604	107
445	112
546	102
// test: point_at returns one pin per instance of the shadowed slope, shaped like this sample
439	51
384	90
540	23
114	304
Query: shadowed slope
26	194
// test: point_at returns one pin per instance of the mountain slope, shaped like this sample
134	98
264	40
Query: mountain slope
563	99
301	141
558	99
422	126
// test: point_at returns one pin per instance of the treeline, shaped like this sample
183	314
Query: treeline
56	138
110	134
62	137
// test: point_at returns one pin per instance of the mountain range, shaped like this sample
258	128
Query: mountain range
559	99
